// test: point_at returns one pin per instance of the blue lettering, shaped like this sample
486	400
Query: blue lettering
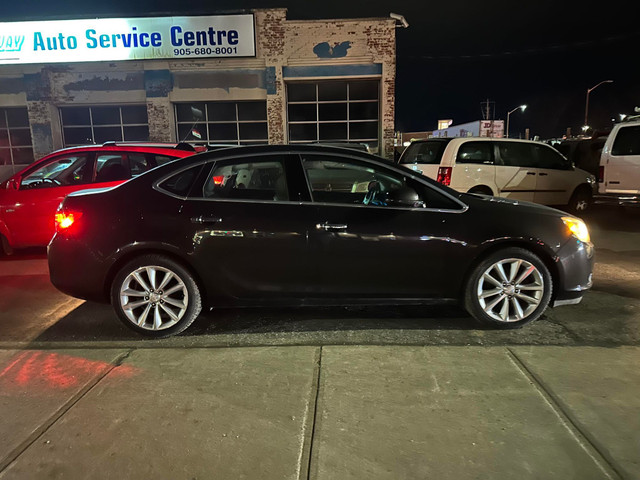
92	43
156	39
175	41
104	41
189	39
38	41
233	37
144	39
72	42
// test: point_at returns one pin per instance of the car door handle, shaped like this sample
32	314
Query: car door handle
543	174
205	219
329	227
531	173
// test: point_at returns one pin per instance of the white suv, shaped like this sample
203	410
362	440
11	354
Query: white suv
516	169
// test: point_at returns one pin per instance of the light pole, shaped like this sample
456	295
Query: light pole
522	107
586	107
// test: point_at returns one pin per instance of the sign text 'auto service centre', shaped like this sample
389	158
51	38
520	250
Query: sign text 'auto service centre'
67	41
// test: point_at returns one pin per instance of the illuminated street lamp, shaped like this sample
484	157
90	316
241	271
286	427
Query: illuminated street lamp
585	127
522	107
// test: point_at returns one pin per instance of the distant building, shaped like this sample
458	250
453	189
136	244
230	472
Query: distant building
479	128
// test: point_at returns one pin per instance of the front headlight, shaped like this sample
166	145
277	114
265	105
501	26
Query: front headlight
577	228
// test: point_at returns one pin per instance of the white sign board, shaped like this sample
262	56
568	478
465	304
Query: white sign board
66	41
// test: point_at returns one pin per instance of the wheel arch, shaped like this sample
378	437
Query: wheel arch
128	256
482	189
538	248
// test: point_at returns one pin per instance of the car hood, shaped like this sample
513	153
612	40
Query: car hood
479	201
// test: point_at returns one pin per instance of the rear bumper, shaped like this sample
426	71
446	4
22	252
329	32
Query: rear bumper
617	199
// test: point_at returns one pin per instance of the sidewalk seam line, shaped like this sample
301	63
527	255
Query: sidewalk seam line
607	465
308	450
59	413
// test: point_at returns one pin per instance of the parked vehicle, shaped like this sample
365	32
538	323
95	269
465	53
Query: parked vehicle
619	179
310	225
584	153
28	200
516	169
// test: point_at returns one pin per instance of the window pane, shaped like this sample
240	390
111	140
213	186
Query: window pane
4	137
363	111
221	111
301	92
363	90
549	158
363	130
475	152
181	183
190	132
134	114
189	112
138	163
18	117
332	91
136	134
5	156
303	132
333	131
106	115
223	131
77	136
253	131
627	141
23	155
248	181
162	159
516	154
110	167
75	116
252	110
302	113
20	137
332	111
107	134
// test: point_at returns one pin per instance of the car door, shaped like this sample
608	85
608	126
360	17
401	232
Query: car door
29	210
622	161
516	173
249	229
376	233
556	177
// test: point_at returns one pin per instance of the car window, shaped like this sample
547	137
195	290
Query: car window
162	159
138	163
424	152
62	171
547	157
475	152
347	181
627	141
260	179
111	167
181	183
516	154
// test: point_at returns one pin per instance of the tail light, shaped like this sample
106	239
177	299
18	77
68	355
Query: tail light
601	174
444	175
218	180
65	219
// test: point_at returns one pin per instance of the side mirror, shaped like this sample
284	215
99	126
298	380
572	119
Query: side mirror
13	184
404	197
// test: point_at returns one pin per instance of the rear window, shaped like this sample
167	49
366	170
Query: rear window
429	152
627	141
475	152
181	183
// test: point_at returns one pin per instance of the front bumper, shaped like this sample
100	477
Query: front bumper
574	262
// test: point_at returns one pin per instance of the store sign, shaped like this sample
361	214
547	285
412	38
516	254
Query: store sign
66	41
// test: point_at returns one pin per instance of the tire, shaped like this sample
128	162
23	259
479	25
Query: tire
499	300
164	296
4	246
481	191
580	201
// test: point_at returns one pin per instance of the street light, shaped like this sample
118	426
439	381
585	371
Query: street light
522	107
586	107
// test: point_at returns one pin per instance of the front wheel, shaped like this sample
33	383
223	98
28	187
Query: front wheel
580	202
155	296
508	289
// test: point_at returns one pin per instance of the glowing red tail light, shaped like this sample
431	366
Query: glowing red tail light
601	174
65	219
444	175
218	180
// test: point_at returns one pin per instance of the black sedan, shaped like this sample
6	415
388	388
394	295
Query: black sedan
310	225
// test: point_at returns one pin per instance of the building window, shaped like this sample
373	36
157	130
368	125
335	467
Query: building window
15	136
334	111
234	123
96	125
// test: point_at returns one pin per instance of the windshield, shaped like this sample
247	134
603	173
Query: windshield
429	152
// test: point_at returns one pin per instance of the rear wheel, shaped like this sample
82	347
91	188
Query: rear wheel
4	246
508	289
155	296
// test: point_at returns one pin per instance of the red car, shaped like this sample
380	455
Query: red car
29	199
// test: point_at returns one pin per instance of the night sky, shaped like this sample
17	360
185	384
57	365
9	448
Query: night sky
454	55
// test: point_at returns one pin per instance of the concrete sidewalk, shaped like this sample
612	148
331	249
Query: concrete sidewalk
335	412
